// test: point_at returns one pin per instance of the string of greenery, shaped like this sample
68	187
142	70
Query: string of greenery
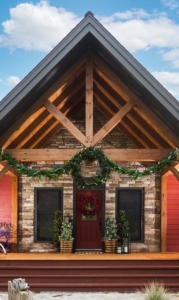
73	167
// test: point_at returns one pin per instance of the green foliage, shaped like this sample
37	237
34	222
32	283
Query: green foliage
57	229
66	231
122	224
73	167
155	291
110	230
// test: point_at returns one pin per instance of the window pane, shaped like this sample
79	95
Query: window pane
48	201
131	201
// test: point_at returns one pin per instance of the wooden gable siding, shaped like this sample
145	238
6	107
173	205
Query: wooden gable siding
172	214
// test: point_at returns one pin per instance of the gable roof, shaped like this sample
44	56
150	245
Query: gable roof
89	35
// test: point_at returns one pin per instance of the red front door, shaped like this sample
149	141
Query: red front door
88	228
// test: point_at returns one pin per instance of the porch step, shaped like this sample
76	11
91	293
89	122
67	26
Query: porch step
83	275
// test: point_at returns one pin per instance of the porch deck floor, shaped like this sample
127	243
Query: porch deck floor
104	256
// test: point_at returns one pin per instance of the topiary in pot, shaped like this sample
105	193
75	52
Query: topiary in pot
66	237
57	229
110	236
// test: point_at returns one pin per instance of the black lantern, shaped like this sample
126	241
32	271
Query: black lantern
119	248
126	245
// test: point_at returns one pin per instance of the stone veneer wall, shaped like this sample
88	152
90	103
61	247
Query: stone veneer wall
115	139
26	207
151	185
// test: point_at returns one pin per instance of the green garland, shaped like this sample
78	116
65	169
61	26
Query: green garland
73	167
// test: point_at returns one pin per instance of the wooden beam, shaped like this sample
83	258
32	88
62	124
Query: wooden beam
44	117
41	141
175	172
127	94
133	116
99	104
4	169
24	121
171	169
52	125
65	122
74	75
89	102
164	213
134	136
113	122
159	126
27	155
12	172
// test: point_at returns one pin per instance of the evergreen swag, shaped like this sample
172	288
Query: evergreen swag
57	229
73	167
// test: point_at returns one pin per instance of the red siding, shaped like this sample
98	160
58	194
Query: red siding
172	214
5	201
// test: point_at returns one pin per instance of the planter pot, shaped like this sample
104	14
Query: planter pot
110	246
66	246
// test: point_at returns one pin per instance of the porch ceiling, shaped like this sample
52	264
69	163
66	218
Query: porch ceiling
89	80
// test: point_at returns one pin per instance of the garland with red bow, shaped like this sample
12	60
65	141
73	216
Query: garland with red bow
88	205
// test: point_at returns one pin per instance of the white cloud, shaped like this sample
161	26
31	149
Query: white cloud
36	27
0	80
40	27
172	56
12	81
137	34
132	14
172	4
170	80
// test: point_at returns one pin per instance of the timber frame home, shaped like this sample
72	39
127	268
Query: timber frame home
90	91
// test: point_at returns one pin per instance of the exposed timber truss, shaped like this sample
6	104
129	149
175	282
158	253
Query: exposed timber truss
91	82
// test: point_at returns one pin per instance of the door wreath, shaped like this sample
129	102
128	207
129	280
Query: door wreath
88	205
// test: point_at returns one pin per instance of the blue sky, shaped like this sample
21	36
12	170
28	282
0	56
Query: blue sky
149	30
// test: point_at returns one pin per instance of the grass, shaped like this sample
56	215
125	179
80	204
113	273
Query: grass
155	291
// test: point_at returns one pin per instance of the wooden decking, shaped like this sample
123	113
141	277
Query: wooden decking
90	272
58	256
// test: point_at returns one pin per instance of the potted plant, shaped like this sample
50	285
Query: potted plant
122	224
66	236
110	236
57	229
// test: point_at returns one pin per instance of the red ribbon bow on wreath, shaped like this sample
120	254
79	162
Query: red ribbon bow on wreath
89	205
